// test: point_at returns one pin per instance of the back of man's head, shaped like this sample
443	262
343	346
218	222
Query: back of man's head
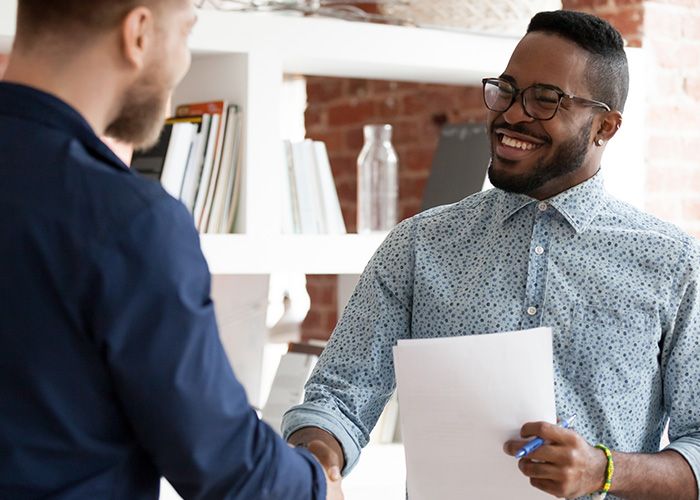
608	74
69	20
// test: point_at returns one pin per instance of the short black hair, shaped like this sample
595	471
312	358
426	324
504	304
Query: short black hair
608	74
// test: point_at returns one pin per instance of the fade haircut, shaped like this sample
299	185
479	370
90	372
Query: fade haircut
71	19
607	74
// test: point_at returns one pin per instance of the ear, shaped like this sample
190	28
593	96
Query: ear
136	32
609	125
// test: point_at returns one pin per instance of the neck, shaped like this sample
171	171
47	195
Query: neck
83	81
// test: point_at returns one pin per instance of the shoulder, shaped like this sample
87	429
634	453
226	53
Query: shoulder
630	218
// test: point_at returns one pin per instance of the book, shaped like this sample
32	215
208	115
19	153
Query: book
149	162
210	171
310	201
193	171
223	193
333	215
178	154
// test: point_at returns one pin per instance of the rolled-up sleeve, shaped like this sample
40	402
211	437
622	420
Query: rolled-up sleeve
155	322
354	377
681	369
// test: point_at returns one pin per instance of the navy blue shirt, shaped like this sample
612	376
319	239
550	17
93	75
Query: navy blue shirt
112	373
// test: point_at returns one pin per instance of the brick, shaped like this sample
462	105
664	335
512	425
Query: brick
584	4
319	90
382	86
343	167
691	26
406	132
691	86
419	161
354	140
351	114
315	117
629	22
358	88
334	140
389	106
660	21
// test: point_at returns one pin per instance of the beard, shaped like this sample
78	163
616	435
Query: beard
568	157
142	113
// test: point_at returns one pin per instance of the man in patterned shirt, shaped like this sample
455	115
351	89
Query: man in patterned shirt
547	247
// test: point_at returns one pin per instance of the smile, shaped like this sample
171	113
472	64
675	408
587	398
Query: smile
519	144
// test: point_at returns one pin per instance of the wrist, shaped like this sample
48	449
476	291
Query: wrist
606	465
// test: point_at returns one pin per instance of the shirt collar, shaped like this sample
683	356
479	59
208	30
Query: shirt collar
579	205
32	104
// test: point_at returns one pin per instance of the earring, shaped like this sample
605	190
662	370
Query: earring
599	142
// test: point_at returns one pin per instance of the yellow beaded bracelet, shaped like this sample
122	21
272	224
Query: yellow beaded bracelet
608	473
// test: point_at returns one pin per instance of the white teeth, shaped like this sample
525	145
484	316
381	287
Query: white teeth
515	143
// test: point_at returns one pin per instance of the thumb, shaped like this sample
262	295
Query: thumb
328	458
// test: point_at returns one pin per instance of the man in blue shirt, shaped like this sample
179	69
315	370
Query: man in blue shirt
547	247
111	369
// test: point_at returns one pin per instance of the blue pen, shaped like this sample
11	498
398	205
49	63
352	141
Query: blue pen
536	442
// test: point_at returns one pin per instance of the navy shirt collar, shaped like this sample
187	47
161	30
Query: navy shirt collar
31	104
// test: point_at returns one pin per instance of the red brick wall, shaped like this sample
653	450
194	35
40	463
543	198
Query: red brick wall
626	15
670	28
337	110
672	35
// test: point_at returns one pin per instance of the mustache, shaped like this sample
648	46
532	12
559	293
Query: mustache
520	129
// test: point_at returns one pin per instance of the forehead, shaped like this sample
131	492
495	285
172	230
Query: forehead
551	59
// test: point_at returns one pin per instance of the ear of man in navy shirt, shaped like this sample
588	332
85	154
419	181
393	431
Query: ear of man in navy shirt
112	373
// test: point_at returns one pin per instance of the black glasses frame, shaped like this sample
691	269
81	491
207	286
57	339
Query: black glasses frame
521	92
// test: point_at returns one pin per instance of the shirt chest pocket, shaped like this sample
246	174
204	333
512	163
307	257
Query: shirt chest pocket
608	350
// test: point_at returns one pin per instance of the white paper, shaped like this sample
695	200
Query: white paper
461	398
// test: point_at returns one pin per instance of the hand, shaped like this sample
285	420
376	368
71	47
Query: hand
333	489
324	446
565	466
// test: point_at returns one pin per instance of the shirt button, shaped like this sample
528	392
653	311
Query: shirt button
542	206
539	250
532	310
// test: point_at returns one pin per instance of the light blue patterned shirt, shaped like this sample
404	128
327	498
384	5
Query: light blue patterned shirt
618	287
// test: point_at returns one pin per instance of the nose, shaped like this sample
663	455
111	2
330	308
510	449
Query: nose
516	113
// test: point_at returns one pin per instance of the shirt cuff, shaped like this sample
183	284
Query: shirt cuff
307	416
689	448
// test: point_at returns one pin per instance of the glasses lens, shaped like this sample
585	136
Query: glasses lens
541	102
498	95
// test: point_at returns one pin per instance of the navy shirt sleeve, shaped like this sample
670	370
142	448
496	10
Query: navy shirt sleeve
154	322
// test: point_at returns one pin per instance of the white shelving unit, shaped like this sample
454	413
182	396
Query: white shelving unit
244	57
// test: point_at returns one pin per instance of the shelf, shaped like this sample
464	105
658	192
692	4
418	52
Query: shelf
331	47
308	254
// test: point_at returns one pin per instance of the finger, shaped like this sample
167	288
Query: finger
549	432
538	470
512	446
547	485
555	454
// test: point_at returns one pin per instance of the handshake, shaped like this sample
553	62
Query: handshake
328	452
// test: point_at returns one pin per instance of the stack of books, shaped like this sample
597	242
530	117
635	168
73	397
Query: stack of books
197	159
310	202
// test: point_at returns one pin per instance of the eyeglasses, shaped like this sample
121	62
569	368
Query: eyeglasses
540	101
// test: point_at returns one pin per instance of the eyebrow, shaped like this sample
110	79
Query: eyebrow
507	77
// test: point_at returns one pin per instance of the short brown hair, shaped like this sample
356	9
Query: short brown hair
71	17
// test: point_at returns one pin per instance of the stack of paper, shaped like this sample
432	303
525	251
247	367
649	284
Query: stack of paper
461	399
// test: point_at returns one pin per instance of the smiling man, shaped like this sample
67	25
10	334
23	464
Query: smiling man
547	247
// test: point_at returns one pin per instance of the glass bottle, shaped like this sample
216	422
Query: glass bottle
377	181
